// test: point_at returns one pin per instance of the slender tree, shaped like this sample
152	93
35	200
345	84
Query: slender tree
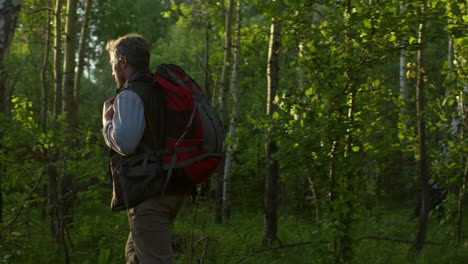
45	90
404	95
459	123
403	68
9	11
206	56
421	126
231	145
68	94
272	166
55	207
464	177
223	103
81	52
58	77
44	67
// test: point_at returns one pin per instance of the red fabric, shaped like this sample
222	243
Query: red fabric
180	103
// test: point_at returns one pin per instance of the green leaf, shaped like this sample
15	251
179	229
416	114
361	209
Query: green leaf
367	23
275	116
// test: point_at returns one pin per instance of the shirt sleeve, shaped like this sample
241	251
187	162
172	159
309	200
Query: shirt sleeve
124	132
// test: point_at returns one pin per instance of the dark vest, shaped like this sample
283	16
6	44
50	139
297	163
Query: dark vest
140	188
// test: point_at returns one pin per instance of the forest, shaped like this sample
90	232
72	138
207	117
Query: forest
344	129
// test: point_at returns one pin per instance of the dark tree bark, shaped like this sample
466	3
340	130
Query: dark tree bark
272	165
423	163
45	93
54	194
9	12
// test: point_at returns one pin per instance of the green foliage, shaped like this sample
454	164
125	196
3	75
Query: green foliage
347	140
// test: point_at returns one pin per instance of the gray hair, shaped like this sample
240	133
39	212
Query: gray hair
134	47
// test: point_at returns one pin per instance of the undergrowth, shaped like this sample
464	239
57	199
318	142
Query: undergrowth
97	235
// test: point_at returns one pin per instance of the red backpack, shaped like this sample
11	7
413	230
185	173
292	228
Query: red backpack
194	133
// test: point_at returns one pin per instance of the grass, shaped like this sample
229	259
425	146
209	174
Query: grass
98	236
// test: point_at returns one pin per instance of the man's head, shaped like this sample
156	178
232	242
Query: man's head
128	54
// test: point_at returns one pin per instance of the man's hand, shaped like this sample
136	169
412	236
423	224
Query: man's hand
107	110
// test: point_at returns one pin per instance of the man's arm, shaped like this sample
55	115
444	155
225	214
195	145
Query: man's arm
123	122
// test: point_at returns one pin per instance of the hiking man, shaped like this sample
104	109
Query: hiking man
134	121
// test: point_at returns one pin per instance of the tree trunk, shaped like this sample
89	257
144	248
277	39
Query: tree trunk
403	68
45	93
404	109
81	53
56	212
423	164
9	12
58	60
460	205
343	245
461	124
272	166
45	63
223	105
206	58
233	124
68	95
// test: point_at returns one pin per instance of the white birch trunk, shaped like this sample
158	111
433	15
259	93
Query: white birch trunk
68	94
81	52
231	146
58	59
223	105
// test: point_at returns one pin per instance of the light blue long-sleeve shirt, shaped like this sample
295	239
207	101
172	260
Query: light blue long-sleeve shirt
124	132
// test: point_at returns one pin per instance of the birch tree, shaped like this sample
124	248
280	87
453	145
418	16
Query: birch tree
81	52
457	78
403	68
231	145
45	63
421	127
58	59
54	201
69	64
223	103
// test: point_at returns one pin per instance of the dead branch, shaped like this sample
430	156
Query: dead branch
406	241
398	240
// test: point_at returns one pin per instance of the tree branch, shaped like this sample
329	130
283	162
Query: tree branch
18	212
370	237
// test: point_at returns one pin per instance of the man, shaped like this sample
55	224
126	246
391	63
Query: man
133	122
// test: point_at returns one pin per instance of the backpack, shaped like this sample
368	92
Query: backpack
194	133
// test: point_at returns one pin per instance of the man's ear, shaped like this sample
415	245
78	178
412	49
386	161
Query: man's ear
123	62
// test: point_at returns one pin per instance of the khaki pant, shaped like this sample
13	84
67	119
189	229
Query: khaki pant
149	240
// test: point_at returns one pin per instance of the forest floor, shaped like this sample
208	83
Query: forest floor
98	235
